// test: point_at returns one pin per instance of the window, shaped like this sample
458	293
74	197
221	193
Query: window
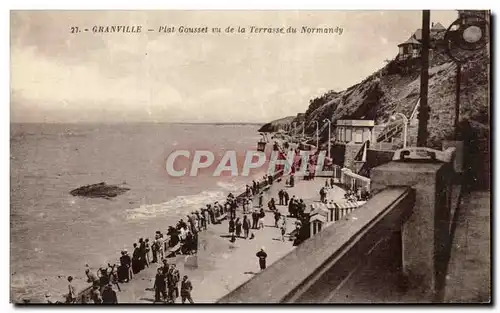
358	136
348	135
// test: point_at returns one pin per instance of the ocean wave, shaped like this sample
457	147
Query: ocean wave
181	205
177	206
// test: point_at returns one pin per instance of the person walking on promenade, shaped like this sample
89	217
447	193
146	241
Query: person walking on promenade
250	204
262	255
142	250
281	195
136	255
160	286
96	295
262	214
246	226
238	225
255	218
155	248
186	288
124	269
283	228
148	249
71	297
331	182
261	199
165	267
277	216
322	194
326	184
231	229
291	207
203	219
271	205
109	295
286	196
173	277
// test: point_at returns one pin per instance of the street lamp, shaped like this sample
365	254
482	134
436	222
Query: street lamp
317	135
303	129
405	126
294	128
465	35
329	134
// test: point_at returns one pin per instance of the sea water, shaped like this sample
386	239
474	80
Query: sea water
54	235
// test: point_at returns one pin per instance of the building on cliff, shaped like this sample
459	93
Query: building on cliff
410	49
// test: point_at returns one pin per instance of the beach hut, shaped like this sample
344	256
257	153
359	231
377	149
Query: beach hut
344	208
316	223
326	209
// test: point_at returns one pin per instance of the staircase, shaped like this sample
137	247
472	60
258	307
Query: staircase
395	128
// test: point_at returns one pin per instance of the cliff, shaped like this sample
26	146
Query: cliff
396	87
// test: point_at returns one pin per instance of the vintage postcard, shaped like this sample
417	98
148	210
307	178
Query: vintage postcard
180	157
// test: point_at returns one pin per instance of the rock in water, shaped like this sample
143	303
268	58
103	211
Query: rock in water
100	190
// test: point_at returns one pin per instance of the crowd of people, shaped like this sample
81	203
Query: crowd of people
181	239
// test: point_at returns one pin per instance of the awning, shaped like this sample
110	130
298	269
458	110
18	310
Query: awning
318	217
350	204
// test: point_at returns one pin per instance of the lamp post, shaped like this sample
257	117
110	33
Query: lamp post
294	125
303	129
466	34
405	126
329	134
317	134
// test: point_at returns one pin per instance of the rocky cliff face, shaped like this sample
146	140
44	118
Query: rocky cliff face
396	87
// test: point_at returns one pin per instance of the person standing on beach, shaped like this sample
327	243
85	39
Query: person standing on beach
160	285
186	288
246	226
71	297
262	255
286	197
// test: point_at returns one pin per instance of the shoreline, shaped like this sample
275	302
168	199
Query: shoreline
83	288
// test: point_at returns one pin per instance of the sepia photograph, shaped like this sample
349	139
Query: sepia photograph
250	157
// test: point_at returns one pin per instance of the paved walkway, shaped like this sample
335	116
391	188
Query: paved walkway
223	265
469	269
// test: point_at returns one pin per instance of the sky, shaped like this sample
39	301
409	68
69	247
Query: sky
60	77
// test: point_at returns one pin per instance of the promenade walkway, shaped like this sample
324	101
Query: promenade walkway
223	265
469	270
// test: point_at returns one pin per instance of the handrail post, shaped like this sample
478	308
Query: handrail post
425	235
